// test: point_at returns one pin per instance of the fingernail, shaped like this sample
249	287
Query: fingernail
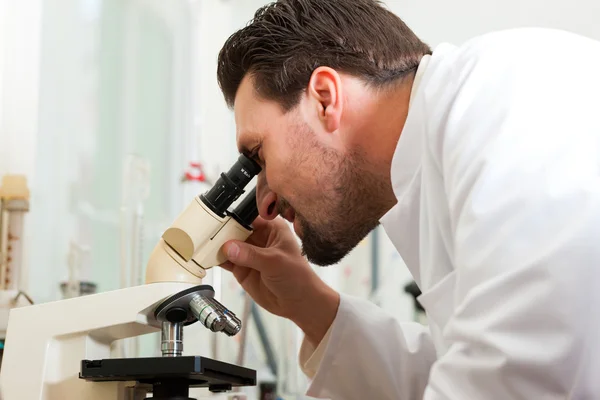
233	250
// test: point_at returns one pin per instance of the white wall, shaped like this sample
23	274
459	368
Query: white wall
112	78
455	21
19	45
216	143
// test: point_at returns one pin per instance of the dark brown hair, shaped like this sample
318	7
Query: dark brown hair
288	39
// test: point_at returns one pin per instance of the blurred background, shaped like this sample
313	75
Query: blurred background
111	109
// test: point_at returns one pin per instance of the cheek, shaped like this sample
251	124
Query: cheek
276	176
293	169
283	177
276	170
304	180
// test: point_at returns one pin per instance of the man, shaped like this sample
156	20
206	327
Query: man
482	162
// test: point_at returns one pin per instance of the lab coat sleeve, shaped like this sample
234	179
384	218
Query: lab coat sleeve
519	157
311	356
369	355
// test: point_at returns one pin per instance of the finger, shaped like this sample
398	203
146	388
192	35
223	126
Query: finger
241	273
261	229
227	265
248	279
246	255
259	223
260	238
265	230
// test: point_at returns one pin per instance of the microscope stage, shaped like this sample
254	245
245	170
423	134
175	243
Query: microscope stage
194	370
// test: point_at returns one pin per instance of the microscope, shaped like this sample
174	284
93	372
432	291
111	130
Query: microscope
61	350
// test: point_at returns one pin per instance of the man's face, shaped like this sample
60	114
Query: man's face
315	180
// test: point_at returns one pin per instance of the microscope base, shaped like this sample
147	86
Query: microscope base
170	377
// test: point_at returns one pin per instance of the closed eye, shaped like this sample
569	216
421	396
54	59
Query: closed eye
255	155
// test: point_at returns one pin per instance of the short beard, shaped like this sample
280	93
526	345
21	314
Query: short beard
349	212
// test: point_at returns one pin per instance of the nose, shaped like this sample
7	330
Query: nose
265	199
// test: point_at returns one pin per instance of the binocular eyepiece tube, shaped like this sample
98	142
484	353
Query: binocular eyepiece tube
230	185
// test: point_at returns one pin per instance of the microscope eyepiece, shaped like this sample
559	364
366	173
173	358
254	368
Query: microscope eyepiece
247	211
230	185
251	166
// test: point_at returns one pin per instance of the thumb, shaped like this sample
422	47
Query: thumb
245	254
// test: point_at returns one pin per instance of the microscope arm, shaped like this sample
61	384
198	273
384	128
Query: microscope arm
46	342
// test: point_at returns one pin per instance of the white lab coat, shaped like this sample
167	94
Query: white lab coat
497	175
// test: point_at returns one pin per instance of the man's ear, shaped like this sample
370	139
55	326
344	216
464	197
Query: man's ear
325	94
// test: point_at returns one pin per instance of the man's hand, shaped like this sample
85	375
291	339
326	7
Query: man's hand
271	269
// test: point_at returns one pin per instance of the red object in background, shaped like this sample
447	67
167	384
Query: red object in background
347	271
195	172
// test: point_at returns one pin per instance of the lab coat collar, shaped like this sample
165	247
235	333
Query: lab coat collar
406	161
418	77
401	222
